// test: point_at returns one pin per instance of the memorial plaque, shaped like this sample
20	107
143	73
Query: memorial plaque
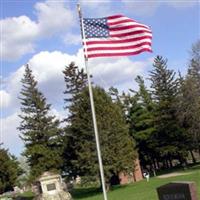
51	186
178	191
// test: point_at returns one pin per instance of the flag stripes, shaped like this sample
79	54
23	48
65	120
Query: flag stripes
115	36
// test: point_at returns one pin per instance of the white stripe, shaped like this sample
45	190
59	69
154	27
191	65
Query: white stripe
119	51
119	44
128	30
117	38
118	19
126	24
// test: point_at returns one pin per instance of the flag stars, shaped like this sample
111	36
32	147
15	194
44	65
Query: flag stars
96	28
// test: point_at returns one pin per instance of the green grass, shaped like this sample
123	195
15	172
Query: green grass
25	196
138	191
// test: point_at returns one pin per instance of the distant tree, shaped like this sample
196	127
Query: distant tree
9	171
23	179
39	130
169	135
117	147
123	100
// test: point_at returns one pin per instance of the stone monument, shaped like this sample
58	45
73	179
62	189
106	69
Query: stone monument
178	191
51	187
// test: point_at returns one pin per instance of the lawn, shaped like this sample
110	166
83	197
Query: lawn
138	191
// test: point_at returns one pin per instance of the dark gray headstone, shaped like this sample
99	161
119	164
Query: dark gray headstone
178	191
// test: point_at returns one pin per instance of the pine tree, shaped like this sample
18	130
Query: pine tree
169	135
39	130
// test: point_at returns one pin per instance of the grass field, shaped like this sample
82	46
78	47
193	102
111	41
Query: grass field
138	191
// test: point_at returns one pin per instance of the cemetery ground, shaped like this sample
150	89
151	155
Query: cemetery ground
142	190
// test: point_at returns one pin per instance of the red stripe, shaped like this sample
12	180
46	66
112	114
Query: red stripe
118	48
118	54
127	27
115	16
129	33
118	41
120	22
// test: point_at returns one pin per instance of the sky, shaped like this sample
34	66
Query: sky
46	34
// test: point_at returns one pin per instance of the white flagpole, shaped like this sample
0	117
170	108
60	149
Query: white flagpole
93	110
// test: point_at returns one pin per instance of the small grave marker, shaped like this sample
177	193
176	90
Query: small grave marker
178	191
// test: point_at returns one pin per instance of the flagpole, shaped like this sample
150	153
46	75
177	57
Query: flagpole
93	109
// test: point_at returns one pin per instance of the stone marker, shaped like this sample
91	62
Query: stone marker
178	191
50	187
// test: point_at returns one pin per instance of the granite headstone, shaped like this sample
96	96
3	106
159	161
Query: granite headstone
178	191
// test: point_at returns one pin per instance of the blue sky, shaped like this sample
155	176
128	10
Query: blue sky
46	34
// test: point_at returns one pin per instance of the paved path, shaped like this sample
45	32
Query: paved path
174	174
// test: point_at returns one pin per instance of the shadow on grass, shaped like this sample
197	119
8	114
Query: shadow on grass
23	198
195	166
81	193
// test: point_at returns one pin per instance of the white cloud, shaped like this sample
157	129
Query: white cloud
116	71
70	38
53	17
4	99
10	134
20	33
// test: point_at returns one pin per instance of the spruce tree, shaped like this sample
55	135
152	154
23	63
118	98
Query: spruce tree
117	147
39	130
169	136
141	123
75	80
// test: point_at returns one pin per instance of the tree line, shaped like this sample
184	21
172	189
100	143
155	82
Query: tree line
158	124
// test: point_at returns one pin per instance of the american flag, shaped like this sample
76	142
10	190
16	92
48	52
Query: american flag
115	36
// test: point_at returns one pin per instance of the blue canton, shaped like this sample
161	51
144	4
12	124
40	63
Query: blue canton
96	28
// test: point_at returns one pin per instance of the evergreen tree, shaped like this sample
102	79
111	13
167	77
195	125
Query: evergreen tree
169	136
188	109
141	123
9	171
39	130
122	100
75	81
116	145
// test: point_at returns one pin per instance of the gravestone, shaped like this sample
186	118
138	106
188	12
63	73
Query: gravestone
178	191
51	187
